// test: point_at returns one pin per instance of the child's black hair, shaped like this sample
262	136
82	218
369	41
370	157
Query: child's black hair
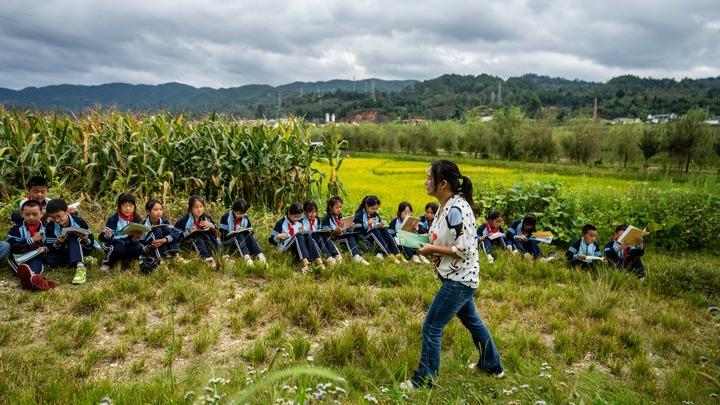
587	228
125	198
493	215
240	205
56	205
402	206
37	181
294	209
31	203
433	206
368	201
309	206
620	228
151	204
331	203
193	199
530	220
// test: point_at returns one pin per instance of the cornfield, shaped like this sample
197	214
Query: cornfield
104	153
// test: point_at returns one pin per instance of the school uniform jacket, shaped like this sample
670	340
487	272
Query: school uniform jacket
615	254
283	225
16	216
187	222
54	230
21	241
228	224
516	229
424	225
311	225
115	224
361	221
485	229
579	247
170	232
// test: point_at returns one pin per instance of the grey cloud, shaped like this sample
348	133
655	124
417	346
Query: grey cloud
223	44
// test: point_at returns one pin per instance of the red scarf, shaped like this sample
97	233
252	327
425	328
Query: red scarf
197	222
32	229
491	230
128	218
237	222
312	222
291	230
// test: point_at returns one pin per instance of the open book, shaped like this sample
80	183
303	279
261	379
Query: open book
632	236
349	222
74	231
412	240
239	231
135	230
27	256
542	236
321	231
409	223
495	235
593	258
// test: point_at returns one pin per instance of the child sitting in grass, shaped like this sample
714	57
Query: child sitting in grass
311	223
492	227
289	234
582	251
243	242
624	257
520	234
70	249
199	233
26	241
119	246
334	220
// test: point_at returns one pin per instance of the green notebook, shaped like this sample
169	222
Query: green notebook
412	240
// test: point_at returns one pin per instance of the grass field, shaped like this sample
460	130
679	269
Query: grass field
564	335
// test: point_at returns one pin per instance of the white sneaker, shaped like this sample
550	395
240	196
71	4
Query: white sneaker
407	386
491	259
105	268
416	259
261	259
360	259
330	261
380	256
338	258
248	260
515	252
547	259
425	260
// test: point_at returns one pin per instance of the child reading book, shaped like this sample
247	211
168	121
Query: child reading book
370	225
624	256
163	240
26	247
490	233
288	235
404	221
199	233
68	239
236	231
320	234
585	251
119	245
342	228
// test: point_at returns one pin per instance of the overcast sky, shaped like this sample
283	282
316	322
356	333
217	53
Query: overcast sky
232	43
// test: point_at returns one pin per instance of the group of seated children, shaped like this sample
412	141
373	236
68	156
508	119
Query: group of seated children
50	233
584	252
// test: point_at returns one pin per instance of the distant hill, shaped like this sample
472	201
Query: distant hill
445	97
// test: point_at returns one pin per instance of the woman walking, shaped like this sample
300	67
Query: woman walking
454	250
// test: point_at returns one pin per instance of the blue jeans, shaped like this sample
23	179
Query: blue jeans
4	249
453	298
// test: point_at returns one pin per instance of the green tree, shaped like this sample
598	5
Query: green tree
686	136
507	123
624	139
650	143
582	143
